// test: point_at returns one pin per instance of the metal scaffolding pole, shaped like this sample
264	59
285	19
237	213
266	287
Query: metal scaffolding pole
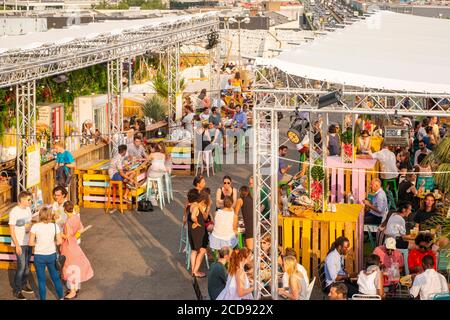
115	105
214	73
26	128
265	187
173	69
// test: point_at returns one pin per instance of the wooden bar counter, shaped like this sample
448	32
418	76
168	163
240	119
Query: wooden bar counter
83	155
311	235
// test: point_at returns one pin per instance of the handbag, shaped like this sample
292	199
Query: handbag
60	259
145	206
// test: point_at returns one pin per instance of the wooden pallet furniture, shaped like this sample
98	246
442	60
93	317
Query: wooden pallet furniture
355	178
312	236
7	253
93	184
181	154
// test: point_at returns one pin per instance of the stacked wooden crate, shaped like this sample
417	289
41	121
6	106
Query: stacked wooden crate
182	156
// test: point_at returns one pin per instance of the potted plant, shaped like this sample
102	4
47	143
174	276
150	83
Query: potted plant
347	150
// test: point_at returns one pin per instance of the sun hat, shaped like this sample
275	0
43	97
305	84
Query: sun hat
390	243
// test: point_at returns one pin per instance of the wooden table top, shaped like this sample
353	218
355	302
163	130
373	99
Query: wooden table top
344	213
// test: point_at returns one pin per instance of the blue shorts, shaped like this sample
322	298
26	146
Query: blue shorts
117	177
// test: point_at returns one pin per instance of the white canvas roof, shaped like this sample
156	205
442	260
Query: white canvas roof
88	31
387	51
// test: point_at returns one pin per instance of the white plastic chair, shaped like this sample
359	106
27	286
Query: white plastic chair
310	288
366	297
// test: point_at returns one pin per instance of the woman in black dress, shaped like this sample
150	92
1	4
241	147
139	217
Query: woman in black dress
198	236
245	204
226	190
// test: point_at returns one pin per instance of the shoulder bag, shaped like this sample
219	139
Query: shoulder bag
60	259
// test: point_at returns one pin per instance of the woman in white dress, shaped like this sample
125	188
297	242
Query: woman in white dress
160	161
238	286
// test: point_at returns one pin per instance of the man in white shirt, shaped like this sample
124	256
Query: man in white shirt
396	226
20	226
428	282
422	133
60	197
136	150
422	150
388	162
204	116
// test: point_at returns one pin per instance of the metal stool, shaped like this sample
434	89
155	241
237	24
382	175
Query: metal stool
159	187
393	183
112	188
169	190
209	161
183	238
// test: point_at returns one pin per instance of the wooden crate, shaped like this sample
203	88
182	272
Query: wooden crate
347	178
182	158
312	237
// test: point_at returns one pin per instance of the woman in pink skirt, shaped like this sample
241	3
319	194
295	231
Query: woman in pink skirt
77	267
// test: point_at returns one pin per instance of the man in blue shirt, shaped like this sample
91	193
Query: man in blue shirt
64	162
378	207
334	266
240	119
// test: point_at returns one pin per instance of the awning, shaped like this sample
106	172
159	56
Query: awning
386	51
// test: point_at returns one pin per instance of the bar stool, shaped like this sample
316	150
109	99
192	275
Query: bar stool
183	237
169	189
159	187
209	161
393	183
218	156
112	188
405	259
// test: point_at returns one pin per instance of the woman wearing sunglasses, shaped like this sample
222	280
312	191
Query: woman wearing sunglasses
226	190
423	247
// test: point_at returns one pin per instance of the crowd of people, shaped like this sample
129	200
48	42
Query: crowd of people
52	232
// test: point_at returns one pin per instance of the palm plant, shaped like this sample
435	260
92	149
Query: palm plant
439	160
155	108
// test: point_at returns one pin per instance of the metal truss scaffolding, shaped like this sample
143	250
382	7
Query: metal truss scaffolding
265	157
276	91
214	73
26	128
173	76
115	101
21	68
53	59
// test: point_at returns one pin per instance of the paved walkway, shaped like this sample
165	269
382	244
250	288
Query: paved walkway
135	255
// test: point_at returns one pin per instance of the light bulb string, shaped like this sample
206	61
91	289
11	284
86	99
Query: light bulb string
359	170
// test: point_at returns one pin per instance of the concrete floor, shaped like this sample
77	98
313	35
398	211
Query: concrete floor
135	255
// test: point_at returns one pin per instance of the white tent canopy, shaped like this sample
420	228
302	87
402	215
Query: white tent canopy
386	51
88	31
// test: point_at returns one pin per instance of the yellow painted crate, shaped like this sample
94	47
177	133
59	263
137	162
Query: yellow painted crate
312	237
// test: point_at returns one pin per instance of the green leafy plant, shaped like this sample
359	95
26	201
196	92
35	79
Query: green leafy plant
347	136
439	160
317	172
439	221
155	108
